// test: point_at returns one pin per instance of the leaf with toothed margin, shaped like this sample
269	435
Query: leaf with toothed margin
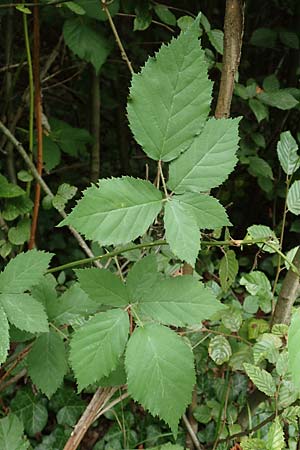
117	211
209	160
169	99
4	336
97	346
161	373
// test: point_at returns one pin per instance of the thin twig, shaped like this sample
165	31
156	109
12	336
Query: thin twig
192	433
48	191
111	405
14	379
118	40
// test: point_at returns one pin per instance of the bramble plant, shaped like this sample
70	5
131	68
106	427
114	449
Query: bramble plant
153	329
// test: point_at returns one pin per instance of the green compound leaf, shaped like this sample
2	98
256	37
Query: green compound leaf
275	439
170	98
70	306
161	372
182	231
116	212
97	346
31	410
47	362
25	312
208	212
261	378
24	271
86	41
287	150
103	287
12	434
179	301
293	198
142	277
4	336
209	160
293	349
228	270
219	350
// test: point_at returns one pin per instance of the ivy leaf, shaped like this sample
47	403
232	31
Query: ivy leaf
67	405
9	190
179	301
208	212
4	336
116	212
209	160
169	89
31	410
71	305
275	439
24	271
287	151
12	434
142	277
182	231
103	287
25	312
293	198
161	372
228	270
86	41
219	350
97	346
261	378
47	362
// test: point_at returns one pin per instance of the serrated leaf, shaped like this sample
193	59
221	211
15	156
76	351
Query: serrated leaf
71	305
208	212
228	269
202	414
45	291
256	283
264	232
64	193
24	312
291	414
142	277
287	151
258	167
288	394
4	336
253	444
86	41
9	190
118	211
182	231
293	348
261	378
97	346
12	434
169	89
266	347
179	301
209	160
293	198
232	319
103	287
24	271
47	362
275	439
219	350
160	371
31	410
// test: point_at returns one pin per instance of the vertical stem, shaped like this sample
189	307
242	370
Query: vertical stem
95	126
38	119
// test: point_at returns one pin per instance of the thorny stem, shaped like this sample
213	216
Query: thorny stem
117	37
